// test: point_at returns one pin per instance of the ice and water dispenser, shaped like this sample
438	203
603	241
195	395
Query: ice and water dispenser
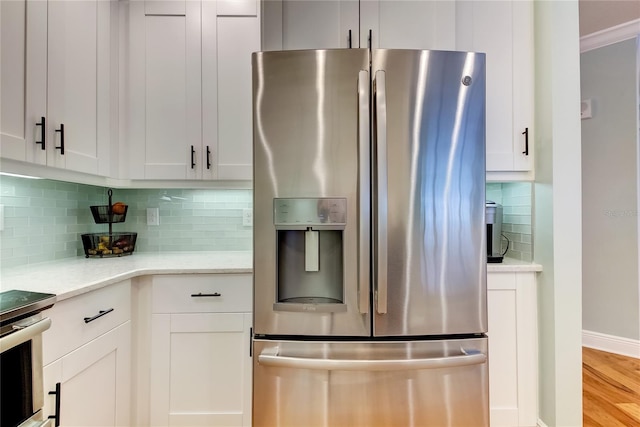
310	247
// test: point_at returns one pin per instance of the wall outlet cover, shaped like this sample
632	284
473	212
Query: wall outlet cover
153	216
585	109
247	217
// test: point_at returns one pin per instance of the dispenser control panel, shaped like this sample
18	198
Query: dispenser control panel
310	211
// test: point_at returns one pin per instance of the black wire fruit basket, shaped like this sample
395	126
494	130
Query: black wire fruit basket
109	244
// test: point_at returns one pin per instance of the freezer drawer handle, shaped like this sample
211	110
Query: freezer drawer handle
270	357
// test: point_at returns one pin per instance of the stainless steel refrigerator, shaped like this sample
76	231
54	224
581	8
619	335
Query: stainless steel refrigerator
369	239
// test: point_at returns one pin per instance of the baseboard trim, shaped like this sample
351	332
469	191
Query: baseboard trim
609	36
611	344
541	423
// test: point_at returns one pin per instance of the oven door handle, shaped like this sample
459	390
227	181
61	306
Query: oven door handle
23	335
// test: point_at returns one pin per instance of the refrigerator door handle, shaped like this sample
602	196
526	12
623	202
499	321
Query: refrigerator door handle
270	357
364	238
382	192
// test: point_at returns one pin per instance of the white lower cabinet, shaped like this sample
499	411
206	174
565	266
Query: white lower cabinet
513	361
88	352
191	350
94	382
200	366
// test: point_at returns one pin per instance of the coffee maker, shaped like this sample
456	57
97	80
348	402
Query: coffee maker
493	215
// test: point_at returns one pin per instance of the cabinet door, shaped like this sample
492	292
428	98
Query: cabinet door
165	90
78	85
200	369
310	24
503	357
513	361
238	38
227	128
504	31
23	83
94	382
408	24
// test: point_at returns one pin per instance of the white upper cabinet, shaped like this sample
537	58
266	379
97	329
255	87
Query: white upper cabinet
189	69
310	24
164	138
78	103
227	67
504	31
56	83
408	24
318	24
17	128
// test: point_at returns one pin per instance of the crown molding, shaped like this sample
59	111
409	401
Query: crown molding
609	36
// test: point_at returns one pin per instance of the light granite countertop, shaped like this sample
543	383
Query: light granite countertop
511	265
74	276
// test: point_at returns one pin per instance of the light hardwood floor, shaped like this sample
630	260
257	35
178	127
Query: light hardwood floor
611	389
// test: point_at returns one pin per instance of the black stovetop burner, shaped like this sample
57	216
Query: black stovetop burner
18	304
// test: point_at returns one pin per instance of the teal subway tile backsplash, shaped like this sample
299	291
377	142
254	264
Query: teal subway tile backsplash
44	219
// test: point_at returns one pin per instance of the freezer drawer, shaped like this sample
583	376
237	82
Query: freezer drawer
400	383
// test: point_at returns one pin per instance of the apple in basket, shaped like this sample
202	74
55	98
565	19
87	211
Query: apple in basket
118	208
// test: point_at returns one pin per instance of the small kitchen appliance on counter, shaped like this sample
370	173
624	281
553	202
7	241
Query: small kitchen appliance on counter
494	231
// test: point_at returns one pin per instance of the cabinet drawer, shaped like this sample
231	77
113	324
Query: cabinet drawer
202	293
69	329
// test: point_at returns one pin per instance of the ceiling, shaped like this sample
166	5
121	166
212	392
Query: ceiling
596	15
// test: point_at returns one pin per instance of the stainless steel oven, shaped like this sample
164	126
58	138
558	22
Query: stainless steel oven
21	327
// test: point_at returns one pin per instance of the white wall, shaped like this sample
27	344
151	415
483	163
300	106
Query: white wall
609	192
557	231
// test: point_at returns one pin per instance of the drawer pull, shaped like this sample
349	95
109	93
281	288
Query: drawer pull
100	314
198	295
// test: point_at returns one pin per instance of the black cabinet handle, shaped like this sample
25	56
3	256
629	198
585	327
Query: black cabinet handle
43	132
200	294
526	141
193	158
208	158
370	41
349	40
61	147
56	416
100	314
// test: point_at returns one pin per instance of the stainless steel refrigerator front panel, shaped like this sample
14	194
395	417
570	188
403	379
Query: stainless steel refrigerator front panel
308	121
404	383
429	196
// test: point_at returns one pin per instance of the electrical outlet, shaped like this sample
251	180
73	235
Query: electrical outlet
153	216
247	217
